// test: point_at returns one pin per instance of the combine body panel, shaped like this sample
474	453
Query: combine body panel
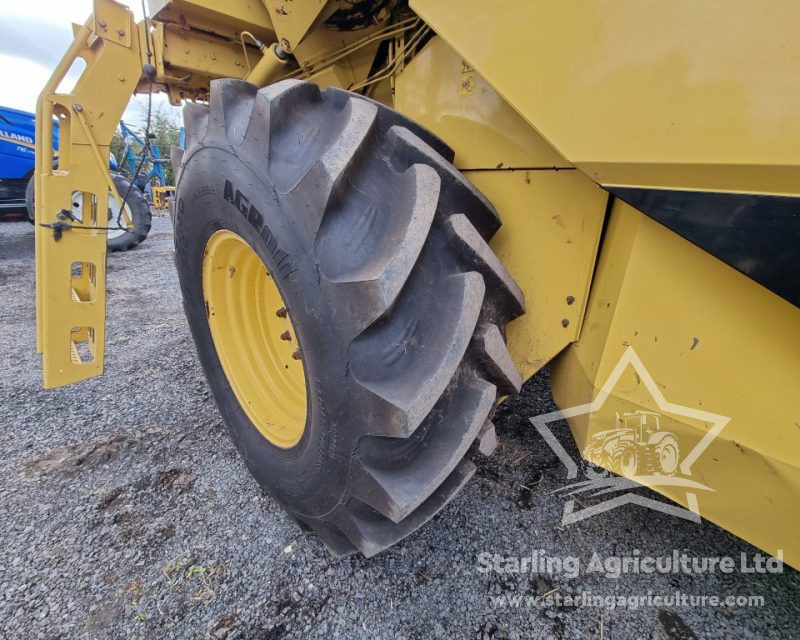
644	158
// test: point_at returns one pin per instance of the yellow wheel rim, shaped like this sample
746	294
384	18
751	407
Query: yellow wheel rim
254	338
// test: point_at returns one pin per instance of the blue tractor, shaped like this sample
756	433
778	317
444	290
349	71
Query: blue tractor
156	174
17	159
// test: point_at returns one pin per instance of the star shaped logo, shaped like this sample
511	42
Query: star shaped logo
639	448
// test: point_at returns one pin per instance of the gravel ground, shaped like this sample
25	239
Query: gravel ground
126	512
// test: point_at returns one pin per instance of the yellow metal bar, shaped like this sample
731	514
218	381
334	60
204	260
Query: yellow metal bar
44	154
103	165
268	68
71	261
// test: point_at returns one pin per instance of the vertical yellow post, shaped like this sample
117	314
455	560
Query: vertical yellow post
70	255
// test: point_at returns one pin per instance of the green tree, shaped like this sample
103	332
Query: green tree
117	146
166	130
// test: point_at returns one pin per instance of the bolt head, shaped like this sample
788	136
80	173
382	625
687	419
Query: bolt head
565	322
570	299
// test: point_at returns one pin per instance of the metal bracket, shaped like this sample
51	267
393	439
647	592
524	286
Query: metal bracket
112	21
292	20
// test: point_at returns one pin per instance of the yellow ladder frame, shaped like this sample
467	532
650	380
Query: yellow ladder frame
71	262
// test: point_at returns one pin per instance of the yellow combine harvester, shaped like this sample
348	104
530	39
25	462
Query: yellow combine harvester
356	305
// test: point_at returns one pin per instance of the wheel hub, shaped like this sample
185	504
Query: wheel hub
254	339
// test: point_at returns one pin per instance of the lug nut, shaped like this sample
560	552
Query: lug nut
281	313
286	336
296	355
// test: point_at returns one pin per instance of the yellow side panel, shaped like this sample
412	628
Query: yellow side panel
685	94
552	219
185	51
712	340
548	242
444	94
224	17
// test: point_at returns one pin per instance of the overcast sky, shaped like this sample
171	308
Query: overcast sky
34	34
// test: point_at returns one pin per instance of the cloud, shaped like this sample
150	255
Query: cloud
136	112
22	82
31	39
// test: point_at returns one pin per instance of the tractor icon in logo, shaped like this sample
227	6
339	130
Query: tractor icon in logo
639	451
636	447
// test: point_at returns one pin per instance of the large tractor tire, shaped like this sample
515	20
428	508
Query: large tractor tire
346	307
118	239
29	200
139	212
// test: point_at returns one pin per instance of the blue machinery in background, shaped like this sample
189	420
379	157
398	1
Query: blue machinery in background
17	131
153	157
17	157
